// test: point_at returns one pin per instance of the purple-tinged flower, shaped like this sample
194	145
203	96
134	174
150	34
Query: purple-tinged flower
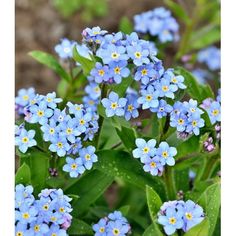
153	165
100	73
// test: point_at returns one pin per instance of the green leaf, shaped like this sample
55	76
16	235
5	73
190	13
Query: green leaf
126	25
154	202
121	88
23	175
86	64
204	37
151	231
124	210
210	201
62	88
121	164
178	10
67	8
194	89
127	136
89	188
39	165
200	229
79	227
50	62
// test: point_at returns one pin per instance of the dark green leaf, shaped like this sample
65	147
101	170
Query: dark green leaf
89	188
121	88
200	229
79	227
210	201
121	164
125	25
50	62
124	210
23	175
86	64
151	231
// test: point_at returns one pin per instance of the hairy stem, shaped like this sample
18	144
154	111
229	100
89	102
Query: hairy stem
170	183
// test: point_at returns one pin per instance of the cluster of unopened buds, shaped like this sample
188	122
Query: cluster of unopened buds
209	145
49	215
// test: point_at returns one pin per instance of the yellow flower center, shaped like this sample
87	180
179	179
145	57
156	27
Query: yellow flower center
130	107
146	149
96	32
138	54
26	97
180	121
78	108
115	55
165	154
53	218
117	70
144	72
193	109
52	131
25	140
102	230
36	228
73	166
215	112
82	121
59	145
53	234
98	41
148	97
45	207
174	80
114	105
91	102
101	72
69	131
61	209
19	233
49	99
26	215
165	88
32	102
116	231
153	164
87	157
40	113
188	215
96	89
172	220
194	123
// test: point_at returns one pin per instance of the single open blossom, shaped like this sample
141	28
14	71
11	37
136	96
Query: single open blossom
166	153
65	48
88	156
74	167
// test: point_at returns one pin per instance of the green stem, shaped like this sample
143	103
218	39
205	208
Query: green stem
170	183
209	167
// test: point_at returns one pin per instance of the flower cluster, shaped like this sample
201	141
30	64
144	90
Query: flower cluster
157	22
24	98
211	57
77	166
49	215
113	225
213	108
154	159
24	139
186	117
175	215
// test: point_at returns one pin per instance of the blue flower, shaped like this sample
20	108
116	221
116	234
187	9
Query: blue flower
195	122
214	112
112	53
166	154
75	147
75	109
144	149
180	122
100	228
40	113
65	48
25	140
25	96
149	98
162	109
191	107
193	215
100	73
38	228
218	98
166	89
172	220
114	105
117	228
117	215
178	80
131	108
88	156
50	130
93	91
211	57
55	230
82	121
153	165
23	195
74	167
138	54
21	229
118	70
93	35
145	73
51	100
60	146
113	38
83	51
26	214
